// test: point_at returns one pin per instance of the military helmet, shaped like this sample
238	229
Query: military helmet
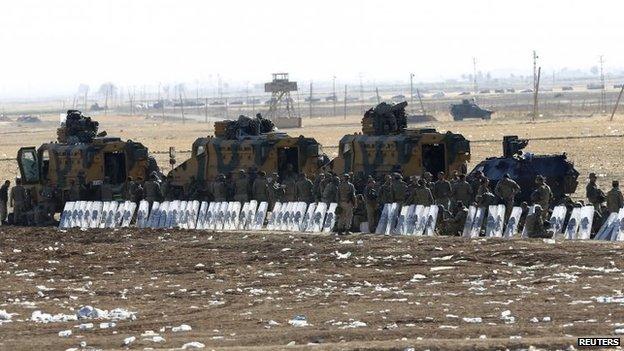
592	175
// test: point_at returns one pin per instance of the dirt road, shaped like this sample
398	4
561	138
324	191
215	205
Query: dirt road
245	291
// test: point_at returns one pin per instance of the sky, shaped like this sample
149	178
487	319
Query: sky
51	46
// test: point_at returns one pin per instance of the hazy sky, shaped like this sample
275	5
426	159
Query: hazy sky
53	45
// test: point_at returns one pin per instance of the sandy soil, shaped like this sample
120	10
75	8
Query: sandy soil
240	290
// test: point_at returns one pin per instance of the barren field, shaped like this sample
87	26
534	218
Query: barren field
592	143
245	291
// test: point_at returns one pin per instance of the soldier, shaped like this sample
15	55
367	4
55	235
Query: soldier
106	190
523	215
152	190
129	189
219	188
330	193
346	201
507	189
595	196
385	195
486	199
318	191
455	226
462	191
241	187
44	212
428	177
138	193
442	191
542	195
536	226
399	189
476	181
304	189
74	190
421	195
290	189
615	200
4	198
260	188
370	197
18	199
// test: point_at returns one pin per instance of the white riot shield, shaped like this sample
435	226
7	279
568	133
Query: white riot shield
617	234
585	226
330	218
285	217
383	220
234	211
142	214
511	229
431	221
105	208
221	214
319	217
182	215
128	214
477	222
86	215
472	212
421	222
307	218
193	214
164	214
399	228
273	216
77	214
557	218
242	216
201	215
607	227
66	215
112	214
174	214
154	215
258	221
393	215
96	214
495	221
573	224
414	219
211	215
298	216
251	214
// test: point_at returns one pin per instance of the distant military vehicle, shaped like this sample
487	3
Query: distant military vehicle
469	109
81	153
248	143
387	145
523	167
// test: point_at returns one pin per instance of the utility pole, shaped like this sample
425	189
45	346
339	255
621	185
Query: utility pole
603	94
181	106
378	97
474	75
422	106
617	102
334	93
206	110
345	103
361	95
535	57
310	98
412	89
539	72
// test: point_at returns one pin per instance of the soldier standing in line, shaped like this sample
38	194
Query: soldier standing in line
219	189
318	191
346	201
536	226
428	177
399	189
615	200
475	183
152	190
260	188
385	195
507	189
4	198
330	193
290	189
422	194
18	199
241	187
138	193
74	191
106	190
462	191
370	197
442	191
486	199
595	196
305	189
542	195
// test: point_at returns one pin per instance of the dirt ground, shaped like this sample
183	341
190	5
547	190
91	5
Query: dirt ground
244	290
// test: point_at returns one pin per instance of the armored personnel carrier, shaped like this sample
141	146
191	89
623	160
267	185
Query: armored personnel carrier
469	109
386	145
248	143
81	155
523	167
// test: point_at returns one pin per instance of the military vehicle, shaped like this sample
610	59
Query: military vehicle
386	145
523	167
248	143
469	109
81	155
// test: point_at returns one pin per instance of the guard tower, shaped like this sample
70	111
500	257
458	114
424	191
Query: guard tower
280	89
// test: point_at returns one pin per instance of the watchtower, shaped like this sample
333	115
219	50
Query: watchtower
280	89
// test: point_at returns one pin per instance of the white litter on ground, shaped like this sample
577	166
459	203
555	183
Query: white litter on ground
181	328
129	340
298	321
193	345
65	333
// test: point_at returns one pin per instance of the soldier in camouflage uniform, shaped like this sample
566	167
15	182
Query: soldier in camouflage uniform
318	191
595	196
305	189
152	190
290	189
462	191
370	197
542	195
219	189
506	189
330	193
421	195
399	189
536	226
241	187
442	191
385	195
18	200
260	188
74	191
428	177
4	198
615	200
346	201
455	225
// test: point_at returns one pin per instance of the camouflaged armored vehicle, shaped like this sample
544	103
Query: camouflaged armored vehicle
469	109
81	154
386	145
248	143
523	167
